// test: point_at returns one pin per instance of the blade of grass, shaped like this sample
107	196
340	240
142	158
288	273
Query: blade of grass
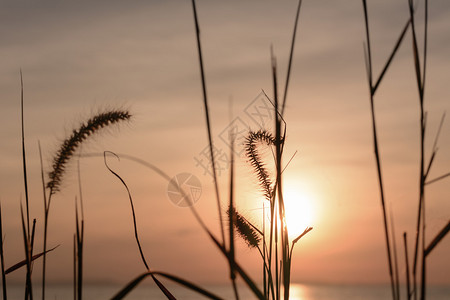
408	284
308	229
391	57
24	262
159	284
188	284
437	239
416	51
264	254
394	249
79	234
376	151
75	267
136	235
79	251
276	188
250	283
31	244
208	123
435	149
27	248
131	285
24	161
437	179
421	209
231	215
291	54
45	219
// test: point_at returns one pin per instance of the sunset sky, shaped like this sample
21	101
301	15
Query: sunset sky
83	57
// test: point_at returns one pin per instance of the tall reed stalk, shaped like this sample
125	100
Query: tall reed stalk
420	249
28	233
376	149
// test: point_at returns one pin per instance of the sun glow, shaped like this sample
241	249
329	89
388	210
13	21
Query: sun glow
300	209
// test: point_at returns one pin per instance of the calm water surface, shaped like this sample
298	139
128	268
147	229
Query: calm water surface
298	292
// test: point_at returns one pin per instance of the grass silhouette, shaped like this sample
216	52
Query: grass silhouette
272	240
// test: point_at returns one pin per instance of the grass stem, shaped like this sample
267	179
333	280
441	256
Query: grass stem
208	122
376	151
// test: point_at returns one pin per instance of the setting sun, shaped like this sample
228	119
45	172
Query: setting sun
300	210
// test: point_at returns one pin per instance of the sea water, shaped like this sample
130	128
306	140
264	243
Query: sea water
298	292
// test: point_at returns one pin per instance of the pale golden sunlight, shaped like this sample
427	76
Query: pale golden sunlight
300	209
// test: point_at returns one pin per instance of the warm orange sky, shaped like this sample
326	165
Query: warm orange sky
81	57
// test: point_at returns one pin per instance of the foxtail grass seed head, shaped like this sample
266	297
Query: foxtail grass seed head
78	136
251	142
245	229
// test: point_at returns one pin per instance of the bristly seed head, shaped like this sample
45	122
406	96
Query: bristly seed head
245	229
70	145
261	136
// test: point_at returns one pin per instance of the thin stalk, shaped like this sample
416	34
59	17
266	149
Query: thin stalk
80	190
425	46
376	151
270	283
24	162
291	54
33	231
208	123
391	57
381	188
394	245
79	248
271	240
44	258
408	284
79	235
434	149
438	238
421	210
28	288
231	218
308	229
158	283
422	95
27	232
265	287
45	219
27	247
278	149
136	235
437	179
277	279
74	267
424	261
